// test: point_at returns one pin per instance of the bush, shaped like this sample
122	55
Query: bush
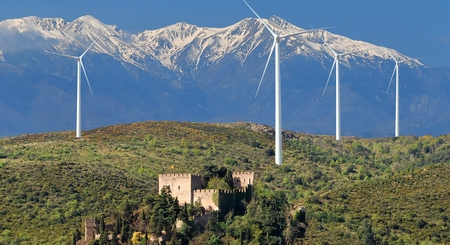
270	152
230	161
314	200
421	223
255	144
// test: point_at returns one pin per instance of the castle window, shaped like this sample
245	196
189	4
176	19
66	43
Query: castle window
178	187
249	182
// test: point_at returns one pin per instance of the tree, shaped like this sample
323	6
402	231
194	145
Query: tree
165	212
103	240
136	238
265	217
229	178
219	184
184	215
145	238
76	237
366	234
114	239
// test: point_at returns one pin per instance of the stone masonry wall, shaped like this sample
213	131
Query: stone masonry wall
206	198
243	179
181	185
90	229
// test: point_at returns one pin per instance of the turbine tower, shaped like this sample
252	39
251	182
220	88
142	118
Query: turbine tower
79	67
397	107
338	97
276	45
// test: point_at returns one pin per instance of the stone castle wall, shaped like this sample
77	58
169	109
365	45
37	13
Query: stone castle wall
90	229
243	179
206	197
181	185
223	200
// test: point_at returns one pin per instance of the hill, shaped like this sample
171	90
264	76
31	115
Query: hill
50	182
404	208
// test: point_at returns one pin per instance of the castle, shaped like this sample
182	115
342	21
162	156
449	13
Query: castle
188	189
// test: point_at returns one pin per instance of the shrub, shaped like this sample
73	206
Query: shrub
270	152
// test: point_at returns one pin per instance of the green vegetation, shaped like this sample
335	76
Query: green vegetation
358	191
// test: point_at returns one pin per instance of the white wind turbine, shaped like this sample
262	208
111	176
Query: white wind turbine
79	66
397	117
276	45
338	97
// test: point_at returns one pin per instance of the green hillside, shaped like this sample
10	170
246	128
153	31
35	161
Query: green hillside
50	182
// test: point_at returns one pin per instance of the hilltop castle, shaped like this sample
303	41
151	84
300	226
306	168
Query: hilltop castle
188	189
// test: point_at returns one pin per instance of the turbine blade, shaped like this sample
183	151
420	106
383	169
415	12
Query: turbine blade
264	23
395	69
81	56
329	75
265	68
322	28
332	50
302	32
296	33
87	79
65	55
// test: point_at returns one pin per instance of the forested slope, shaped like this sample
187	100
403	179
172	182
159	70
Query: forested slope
386	189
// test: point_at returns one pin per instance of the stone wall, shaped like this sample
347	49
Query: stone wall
206	197
243	179
181	185
90	229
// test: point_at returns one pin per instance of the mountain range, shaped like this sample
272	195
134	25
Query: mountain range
184	72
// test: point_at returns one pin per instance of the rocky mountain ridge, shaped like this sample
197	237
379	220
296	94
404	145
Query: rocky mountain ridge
189	73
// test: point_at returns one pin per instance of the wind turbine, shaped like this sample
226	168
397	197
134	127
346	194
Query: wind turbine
338	98
397	62
79	66
276	45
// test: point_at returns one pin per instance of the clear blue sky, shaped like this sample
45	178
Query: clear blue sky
417	28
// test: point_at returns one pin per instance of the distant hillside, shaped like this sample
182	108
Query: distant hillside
50	182
405	208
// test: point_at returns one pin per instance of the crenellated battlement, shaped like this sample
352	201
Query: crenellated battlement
178	175
206	191
221	191
244	173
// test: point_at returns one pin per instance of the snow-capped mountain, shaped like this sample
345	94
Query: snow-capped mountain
185	72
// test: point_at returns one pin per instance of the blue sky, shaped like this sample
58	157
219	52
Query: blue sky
417	28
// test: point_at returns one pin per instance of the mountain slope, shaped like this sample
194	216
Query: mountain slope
188	73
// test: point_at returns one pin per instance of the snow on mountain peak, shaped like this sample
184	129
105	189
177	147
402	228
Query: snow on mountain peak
185	46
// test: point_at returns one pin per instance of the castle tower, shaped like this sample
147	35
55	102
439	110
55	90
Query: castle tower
243	179
90	229
181	186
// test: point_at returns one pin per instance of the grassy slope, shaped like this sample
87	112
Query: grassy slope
51	181
404	208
